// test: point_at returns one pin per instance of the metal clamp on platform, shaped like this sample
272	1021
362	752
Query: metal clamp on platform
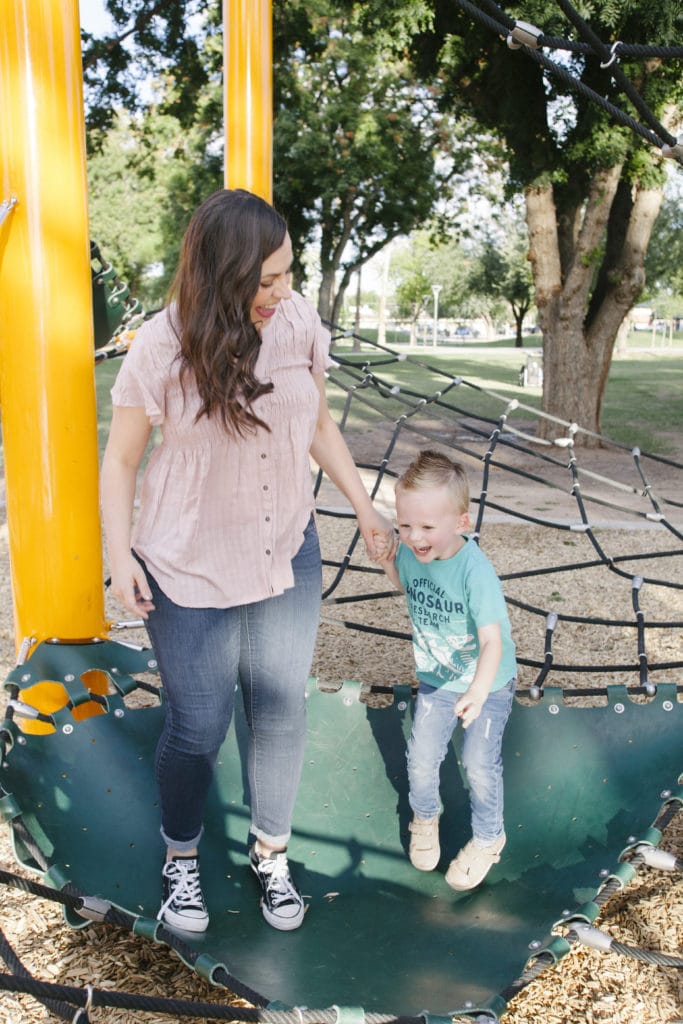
524	34
674	152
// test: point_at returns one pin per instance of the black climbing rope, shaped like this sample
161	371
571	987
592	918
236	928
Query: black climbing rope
531	40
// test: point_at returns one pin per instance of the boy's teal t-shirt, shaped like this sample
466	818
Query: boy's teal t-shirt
448	600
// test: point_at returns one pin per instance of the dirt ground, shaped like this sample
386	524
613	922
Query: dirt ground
586	985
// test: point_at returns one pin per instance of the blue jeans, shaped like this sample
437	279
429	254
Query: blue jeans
434	723
204	654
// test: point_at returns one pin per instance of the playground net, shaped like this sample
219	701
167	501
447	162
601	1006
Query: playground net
591	566
587	540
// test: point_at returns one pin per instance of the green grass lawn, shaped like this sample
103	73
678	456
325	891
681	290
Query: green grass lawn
644	401
643	404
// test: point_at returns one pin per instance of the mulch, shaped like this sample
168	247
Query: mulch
586	985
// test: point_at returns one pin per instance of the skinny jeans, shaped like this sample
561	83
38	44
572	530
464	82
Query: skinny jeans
204	654
434	723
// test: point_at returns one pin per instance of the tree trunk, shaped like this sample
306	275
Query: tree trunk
356	324
585	284
519	320
519	311
325	293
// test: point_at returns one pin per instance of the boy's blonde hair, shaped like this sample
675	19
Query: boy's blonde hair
432	469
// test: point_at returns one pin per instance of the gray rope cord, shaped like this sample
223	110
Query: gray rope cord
647	956
92	997
587	935
612	885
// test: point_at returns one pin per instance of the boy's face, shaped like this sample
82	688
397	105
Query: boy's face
430	522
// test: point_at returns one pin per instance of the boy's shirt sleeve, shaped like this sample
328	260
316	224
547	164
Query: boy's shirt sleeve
399	560
485	598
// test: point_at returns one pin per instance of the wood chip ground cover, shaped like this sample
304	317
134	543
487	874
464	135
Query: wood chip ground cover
585	986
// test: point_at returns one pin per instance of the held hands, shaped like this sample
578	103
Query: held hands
130	587
384	546
379	537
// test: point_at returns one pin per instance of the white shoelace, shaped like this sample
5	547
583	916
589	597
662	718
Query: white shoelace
186	887
280	885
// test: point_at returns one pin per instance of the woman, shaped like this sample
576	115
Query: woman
224	562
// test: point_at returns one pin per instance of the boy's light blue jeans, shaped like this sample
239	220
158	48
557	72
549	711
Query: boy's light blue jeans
434	723
204	654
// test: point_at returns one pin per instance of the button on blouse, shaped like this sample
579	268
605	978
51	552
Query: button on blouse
222	517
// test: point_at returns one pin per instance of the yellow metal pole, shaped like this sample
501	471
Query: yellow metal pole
47	385
248	103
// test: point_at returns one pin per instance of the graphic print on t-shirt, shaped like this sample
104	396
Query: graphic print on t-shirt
443	646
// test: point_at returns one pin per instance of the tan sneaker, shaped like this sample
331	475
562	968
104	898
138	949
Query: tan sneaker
424	843
473	864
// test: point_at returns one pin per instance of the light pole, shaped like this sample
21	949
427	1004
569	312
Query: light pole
436	288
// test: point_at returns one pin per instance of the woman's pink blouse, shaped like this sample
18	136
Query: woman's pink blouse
221	517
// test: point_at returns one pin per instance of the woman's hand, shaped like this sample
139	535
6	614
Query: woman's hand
378	535
332	455
130	587
385	546
128	437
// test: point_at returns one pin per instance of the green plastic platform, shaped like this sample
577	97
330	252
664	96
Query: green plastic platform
582	784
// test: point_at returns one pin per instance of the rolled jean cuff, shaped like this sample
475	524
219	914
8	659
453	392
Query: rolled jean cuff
185	845
271	842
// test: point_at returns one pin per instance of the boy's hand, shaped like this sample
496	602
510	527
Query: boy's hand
385	545
376	530
468	707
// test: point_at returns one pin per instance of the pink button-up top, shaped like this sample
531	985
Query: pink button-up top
222	517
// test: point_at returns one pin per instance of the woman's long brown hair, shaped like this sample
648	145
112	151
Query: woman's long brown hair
228	239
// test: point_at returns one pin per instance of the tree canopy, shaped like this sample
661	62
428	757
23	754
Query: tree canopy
380	104
360	149
592	187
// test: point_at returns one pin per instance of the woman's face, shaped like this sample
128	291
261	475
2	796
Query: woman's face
274	286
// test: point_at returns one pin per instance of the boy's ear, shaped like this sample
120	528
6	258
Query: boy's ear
465	522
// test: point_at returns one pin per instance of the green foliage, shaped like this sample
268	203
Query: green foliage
125	202
502	271
418	264
150	170
355	141
547	127
153	39
664	261
413	288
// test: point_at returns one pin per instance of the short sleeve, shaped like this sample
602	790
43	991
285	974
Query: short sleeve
144	374
485	594
300	323
400	562
320	359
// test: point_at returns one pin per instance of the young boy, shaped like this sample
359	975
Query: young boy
465	661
